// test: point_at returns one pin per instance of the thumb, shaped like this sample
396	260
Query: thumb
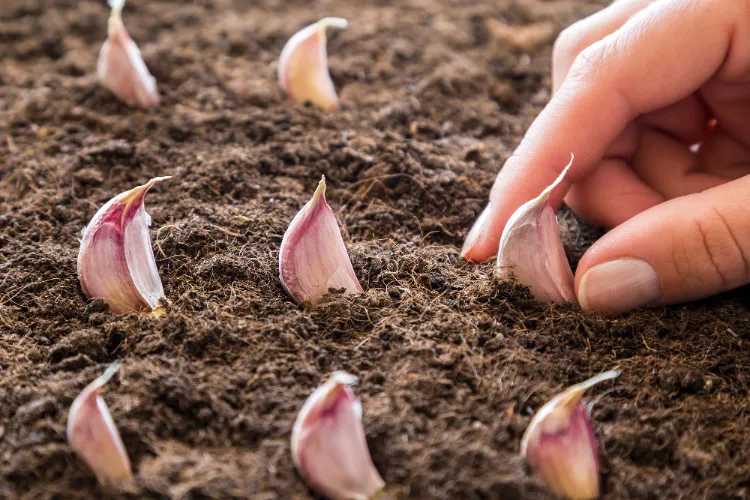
684	249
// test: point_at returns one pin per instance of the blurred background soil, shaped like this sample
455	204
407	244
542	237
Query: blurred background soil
452	363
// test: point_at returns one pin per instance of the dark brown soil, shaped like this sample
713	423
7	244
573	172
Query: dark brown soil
452	363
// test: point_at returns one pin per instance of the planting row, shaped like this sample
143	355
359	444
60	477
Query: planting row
302	73
329	447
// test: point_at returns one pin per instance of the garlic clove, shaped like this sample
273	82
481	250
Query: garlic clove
94	437
560	444
116	262
313	258
531	250
329	447
303	65
120	66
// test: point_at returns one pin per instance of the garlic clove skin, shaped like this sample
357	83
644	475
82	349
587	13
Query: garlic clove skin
94	437
313	257
303	65
115	261
329	447
120	67
531	250
560	444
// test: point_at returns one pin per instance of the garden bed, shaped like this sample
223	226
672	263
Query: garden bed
451	362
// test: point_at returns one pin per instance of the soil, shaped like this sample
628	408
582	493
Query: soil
452	363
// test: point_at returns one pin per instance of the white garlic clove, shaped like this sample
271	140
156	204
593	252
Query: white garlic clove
120	66
303	65
94	437
560	444
313	258
329	447
116	262
531	250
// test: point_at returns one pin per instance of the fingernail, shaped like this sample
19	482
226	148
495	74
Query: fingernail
476	231
619	286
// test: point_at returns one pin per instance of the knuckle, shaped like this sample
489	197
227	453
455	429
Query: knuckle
571	42
591	61
719	252
737	250
568	44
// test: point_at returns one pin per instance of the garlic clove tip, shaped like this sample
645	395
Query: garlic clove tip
329	447
120	66
560	444
303	65
531	249
116	262
313	258
93	435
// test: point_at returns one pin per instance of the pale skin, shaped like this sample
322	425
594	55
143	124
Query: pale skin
635	86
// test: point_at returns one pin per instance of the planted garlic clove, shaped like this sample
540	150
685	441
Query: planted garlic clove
120	66
116	262
313	258
531	250
94	437
329	447
303	65
560	444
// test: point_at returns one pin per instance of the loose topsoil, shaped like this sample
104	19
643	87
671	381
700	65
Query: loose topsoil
452	363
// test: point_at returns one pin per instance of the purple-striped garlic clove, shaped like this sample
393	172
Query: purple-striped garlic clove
116	262
560	444
531	250
94	437
303	65
329	447
313	258
120	67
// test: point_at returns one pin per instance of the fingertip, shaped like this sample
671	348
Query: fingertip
484	237
619	285
681	250
518	182
475	233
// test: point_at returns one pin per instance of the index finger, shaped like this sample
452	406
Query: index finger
661	55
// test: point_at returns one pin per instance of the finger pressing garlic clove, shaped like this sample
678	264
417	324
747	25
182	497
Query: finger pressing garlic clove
329	447
531	250
94	437
116	262
303	65
120	66
313	258
560	444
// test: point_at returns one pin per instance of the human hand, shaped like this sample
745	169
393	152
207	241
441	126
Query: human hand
635	86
